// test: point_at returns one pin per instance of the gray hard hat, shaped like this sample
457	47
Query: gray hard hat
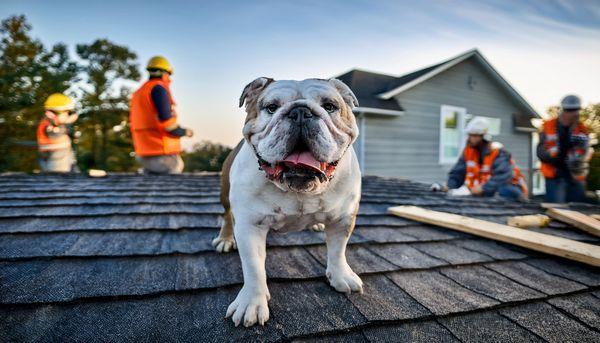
571	102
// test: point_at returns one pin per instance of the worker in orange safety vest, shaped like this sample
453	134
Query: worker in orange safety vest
153	120
485	168
55	152
564	151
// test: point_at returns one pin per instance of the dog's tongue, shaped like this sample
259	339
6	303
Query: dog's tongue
303	159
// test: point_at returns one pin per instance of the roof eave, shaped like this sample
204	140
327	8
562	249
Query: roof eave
451	63
379	111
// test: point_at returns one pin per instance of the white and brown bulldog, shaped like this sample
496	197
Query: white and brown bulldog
295	169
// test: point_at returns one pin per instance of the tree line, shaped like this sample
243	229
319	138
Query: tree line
100	80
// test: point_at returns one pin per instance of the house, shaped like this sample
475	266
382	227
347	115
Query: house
412	126
127	258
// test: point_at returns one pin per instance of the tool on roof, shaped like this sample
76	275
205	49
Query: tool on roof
558	246
529	221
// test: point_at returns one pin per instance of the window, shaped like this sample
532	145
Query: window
453	121
451	133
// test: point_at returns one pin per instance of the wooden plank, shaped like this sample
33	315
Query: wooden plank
578	251
548	205
577	219
595	216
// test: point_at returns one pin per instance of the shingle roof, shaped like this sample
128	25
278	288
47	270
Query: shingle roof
375	90
128	258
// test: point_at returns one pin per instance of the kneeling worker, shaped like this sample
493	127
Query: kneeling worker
54	144
153	120
485	167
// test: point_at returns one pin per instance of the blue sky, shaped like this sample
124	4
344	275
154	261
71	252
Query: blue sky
544	48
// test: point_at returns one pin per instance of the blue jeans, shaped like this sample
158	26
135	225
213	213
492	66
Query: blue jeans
510	192
561	190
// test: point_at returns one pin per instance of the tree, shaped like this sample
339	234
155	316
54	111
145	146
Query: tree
206	156
590	117
106	139
28	74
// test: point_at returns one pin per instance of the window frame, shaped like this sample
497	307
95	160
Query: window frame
462	113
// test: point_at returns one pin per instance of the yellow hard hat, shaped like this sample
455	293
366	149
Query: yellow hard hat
160	63
59	102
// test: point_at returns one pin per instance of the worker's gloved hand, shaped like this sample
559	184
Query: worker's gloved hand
189	132
477	190
70	119
436	187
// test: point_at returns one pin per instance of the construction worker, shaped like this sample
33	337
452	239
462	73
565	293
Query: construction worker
486	168
564	152
54	144
156	133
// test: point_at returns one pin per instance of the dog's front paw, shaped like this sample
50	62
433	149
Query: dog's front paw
344	280
251	305
320	227
224	244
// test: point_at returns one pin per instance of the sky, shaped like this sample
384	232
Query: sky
545	49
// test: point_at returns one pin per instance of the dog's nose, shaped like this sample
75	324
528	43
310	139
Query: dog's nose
300	114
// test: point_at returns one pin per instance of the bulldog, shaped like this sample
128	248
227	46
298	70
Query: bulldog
294	169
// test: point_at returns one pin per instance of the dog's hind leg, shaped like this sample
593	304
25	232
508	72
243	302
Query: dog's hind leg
225	242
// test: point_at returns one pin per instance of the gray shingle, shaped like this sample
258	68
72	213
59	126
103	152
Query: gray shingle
384	300
573	271
423	332
361	259
585	307
292	262
535	278
487	327
115	222
490	248
549	323
440	294
102	210
166	318
450	253
311	307
405	256
490	283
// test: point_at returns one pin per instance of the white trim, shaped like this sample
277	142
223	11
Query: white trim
361	141
372	110
452	62
525	129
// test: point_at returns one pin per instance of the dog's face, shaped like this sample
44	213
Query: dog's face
299	129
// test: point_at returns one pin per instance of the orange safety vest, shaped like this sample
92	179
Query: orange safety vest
551	146
150	138
477	174
45	143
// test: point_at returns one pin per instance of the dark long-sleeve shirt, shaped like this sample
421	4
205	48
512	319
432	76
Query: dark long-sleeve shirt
162	103
502	172
564	145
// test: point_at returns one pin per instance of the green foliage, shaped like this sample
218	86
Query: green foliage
106	139
28	74
205	156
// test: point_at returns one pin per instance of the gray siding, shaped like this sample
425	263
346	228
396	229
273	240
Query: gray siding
408	146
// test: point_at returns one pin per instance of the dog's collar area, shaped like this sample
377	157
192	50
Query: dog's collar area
275	172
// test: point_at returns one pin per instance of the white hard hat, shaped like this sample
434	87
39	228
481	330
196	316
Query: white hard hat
571	102
478	126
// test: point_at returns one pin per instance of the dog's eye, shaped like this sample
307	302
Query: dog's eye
329	107
272	108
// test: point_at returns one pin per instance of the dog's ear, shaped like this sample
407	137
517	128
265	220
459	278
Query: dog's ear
254	88
345	91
